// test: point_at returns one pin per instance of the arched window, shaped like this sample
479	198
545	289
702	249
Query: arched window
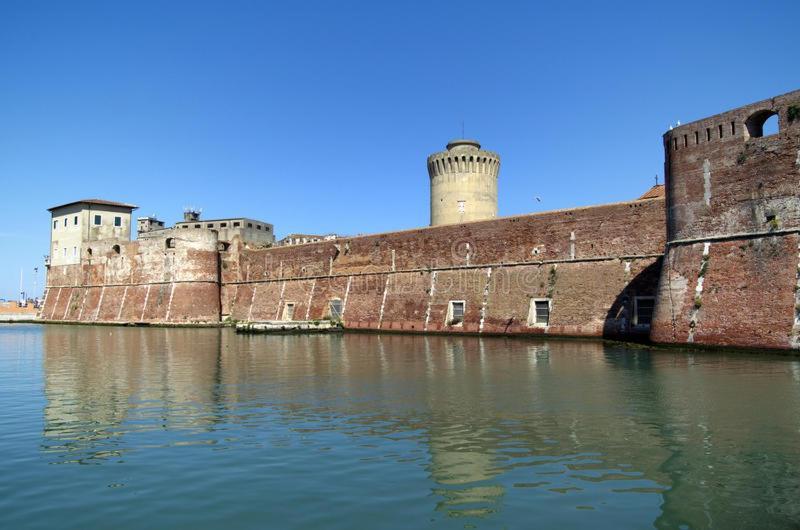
170	242
762	123
89	252
116	249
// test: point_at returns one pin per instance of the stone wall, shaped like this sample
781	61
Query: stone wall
173	280
730	276
591	262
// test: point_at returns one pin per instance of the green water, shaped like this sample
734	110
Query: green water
105	427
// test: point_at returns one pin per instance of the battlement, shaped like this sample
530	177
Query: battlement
725	176
464	156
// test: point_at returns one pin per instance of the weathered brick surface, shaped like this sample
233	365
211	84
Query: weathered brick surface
136	283
728	185
749	293
737	194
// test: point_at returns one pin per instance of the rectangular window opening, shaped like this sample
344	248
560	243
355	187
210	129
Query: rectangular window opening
539	312
237	224
675	144
75	220
643	311
55	225
720	131
223	225
288	311
210	225
708	134
335	308
198	226
98	219
733	128
117	221
696	137
686	140
455	313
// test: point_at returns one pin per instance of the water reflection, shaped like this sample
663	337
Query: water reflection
502	430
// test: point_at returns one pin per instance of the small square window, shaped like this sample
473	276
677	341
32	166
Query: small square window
223	225
643	311
249	225
210	225
539	312
97	219
237	224
117	221
455	313
258	227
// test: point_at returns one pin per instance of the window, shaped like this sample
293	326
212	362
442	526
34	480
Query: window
117	221
335	307
643	310
74	251
696	137
55	225
686	140
249	225
288	311
210	225
197	226
116	249
733	128
237	224
675	144
65	252
708	134
455	313
75	220
170	242
720	131
258	227
65	222
266	228
89	252
223	225
97	219
539	312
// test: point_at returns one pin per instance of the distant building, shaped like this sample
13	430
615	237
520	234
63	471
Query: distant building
250	231
300	239
148	224
75	224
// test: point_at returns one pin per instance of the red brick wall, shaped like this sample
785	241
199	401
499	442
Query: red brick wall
404	281
144	282
719	194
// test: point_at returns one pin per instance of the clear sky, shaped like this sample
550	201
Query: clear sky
318	116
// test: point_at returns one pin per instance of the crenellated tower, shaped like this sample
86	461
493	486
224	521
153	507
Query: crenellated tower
463	183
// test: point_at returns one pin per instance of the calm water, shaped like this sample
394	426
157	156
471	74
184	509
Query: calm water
120	428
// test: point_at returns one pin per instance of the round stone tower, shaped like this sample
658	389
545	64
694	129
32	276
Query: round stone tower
463	183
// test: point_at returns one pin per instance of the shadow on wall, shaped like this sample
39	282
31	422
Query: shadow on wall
622	320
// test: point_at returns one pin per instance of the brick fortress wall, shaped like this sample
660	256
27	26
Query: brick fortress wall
591	262
154	281
730	274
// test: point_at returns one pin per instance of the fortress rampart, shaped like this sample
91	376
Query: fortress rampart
166	280
590	262
730	274
715	262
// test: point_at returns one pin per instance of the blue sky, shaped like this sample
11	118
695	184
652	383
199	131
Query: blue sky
318	116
